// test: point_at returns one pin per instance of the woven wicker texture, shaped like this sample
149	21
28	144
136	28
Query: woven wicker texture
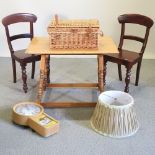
73	34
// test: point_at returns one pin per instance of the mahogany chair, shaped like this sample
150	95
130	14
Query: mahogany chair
19	55
125	57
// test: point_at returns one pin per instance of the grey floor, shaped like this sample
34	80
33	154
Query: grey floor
76	136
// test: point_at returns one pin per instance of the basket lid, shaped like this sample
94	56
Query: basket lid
75	23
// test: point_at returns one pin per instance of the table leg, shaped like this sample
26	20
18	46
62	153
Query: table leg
42	78
46	75
48	69
100	72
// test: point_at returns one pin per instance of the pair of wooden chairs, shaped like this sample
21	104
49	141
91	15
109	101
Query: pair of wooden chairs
125	57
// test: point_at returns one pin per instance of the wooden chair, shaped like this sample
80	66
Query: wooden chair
126	57
20	55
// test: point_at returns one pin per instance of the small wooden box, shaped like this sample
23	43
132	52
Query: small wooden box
73	34
44	124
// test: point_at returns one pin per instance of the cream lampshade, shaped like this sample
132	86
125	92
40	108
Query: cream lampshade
114	115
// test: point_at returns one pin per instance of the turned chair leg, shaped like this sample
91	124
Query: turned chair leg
33	70
24	77
14	70
119	72
127	79
138	72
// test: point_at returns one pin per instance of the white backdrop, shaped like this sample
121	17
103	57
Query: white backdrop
106	11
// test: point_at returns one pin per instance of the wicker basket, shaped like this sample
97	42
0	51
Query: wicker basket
73	34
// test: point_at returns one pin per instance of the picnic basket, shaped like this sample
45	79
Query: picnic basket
73	34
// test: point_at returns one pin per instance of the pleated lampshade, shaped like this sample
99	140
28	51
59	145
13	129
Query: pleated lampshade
114	115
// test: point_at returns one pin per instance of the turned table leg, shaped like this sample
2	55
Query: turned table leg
46	75
100	73
42	78
48	69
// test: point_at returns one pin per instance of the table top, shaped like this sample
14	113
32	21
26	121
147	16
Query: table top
40	45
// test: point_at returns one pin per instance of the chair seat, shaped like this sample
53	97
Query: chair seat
21	56
126	57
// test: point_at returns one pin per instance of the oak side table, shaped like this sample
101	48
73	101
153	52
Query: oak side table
40	45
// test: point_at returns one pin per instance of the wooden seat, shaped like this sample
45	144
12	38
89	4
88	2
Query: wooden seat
20	55
126	57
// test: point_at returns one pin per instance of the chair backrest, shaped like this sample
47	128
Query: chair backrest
135	19
17	18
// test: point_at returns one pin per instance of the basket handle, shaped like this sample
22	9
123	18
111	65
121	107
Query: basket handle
56	19
101	33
